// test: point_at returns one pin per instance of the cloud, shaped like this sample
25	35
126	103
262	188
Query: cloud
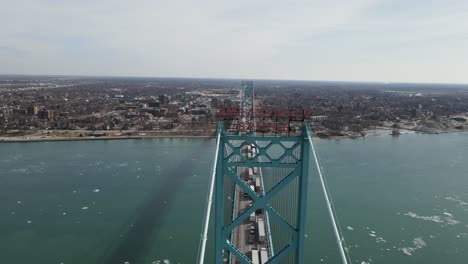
313	39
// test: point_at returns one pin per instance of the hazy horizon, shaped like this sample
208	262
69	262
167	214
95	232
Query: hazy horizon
221	78
344	41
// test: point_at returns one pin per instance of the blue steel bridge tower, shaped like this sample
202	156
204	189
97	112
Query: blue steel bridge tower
260	193
259	186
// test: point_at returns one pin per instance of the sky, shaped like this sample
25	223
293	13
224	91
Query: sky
349	40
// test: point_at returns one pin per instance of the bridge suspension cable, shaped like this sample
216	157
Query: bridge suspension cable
336	229
209	201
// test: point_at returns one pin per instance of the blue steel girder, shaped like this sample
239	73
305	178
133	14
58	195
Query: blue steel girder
280	185
263	152
303	182
292	231
283	253
228	166
241	184
233	249
253	139
249	163
260	202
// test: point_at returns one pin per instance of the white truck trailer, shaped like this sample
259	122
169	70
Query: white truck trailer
263	255
251	173
255	259
261	231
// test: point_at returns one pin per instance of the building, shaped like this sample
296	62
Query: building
215	102
51	114
227	103
318	118
36	110
154	104
30	110
163	99
43	114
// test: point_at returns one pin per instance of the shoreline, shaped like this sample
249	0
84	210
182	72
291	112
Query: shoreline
51	139
381	131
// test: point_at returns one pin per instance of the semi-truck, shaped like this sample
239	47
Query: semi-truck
263	255
257	184
255	259
261	231
252	217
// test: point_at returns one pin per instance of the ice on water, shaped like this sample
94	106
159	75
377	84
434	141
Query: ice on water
164	261
418	243
380	240
447	218
455	199
448	214
20	170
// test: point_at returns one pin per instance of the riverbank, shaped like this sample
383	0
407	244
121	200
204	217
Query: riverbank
383	131
81	135
29	139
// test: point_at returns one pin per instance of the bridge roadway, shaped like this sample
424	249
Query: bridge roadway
241	233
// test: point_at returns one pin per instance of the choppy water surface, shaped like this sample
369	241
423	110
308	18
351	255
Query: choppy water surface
399	200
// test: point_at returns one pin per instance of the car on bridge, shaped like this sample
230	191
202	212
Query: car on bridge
251	239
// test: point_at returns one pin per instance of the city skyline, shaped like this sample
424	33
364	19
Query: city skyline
370	41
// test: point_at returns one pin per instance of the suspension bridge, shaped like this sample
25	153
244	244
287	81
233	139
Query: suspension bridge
259	187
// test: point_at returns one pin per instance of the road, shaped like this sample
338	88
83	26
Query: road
241	233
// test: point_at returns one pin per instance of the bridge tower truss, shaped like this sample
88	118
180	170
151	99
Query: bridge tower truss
278	168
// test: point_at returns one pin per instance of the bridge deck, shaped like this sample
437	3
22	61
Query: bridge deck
241	233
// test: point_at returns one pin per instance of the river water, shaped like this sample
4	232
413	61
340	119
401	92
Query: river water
398	200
